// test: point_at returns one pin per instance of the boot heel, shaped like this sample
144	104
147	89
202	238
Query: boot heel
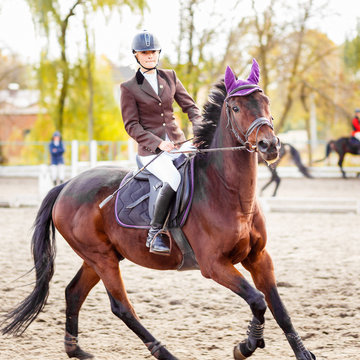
160	244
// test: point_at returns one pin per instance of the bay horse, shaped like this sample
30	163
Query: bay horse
285	148
342	146
225	227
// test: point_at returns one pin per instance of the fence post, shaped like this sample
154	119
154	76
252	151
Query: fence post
44	181
131	150
74	157
313	127
93	153
357	207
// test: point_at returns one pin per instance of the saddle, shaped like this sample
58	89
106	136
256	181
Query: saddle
134	204
355	143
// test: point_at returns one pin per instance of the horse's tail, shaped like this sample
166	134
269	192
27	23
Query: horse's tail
43	249
329	148
297	159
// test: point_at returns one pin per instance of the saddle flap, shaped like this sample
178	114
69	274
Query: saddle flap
134	205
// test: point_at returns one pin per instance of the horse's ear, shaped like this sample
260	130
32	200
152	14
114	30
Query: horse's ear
230	79
254	73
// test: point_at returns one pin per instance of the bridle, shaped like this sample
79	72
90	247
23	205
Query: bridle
255	125
245	144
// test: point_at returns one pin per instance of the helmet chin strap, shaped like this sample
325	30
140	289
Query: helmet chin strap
144	67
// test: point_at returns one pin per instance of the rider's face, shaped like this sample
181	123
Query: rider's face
148	59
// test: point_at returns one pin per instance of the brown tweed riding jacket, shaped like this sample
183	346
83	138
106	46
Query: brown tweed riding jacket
148	117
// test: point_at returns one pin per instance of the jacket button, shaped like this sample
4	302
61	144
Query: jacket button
159	104
164	124
161	114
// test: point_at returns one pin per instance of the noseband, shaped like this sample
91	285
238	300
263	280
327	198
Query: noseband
256	124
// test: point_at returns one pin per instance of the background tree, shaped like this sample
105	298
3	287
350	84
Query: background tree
352	53
297	62
12	70
202	52
50	14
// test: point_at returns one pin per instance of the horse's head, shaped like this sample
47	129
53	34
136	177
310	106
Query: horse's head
249	116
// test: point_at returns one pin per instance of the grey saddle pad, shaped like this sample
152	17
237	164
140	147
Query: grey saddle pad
134	203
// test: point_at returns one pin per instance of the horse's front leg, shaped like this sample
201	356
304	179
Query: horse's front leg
224	273
262	272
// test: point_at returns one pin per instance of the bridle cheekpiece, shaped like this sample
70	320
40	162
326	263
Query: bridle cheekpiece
255	125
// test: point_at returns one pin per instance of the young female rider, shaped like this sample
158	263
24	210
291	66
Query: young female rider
147	111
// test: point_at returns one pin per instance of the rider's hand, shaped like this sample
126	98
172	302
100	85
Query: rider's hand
166	146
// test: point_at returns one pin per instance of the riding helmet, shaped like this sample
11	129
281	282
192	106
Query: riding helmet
145	41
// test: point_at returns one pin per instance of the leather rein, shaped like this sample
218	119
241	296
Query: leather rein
245	144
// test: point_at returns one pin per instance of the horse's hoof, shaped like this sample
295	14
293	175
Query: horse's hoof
78	353
238	355
306	355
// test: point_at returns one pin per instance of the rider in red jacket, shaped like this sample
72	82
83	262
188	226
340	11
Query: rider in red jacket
356	125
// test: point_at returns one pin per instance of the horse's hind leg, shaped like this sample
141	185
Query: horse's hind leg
274	177
277	181
266	185
340	162
76	293
122	308
262	272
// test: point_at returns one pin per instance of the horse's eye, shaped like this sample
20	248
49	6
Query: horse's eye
236	109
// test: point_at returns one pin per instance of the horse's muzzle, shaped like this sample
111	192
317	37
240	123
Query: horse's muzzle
269	149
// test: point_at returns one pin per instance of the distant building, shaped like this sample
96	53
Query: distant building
18	112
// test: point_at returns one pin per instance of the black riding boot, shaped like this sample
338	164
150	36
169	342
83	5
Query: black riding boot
160	242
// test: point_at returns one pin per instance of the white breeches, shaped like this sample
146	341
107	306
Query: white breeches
163	167
57	172
357	135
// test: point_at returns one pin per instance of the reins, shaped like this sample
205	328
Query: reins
235	129
200	151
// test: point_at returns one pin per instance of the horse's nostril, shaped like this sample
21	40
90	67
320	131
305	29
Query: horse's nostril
276	141
263	145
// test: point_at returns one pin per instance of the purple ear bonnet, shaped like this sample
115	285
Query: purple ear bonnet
236	87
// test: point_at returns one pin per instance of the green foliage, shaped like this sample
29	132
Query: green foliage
107	118
297	63
108	123
65	87
111	4
47	76
352	52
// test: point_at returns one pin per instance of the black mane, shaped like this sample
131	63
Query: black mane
204	131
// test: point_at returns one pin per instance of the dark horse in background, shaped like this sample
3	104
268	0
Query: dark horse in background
342	146
225	227
295	156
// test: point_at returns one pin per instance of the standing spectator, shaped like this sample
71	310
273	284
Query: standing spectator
57	150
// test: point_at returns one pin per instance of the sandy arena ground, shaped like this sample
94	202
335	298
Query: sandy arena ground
317	264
